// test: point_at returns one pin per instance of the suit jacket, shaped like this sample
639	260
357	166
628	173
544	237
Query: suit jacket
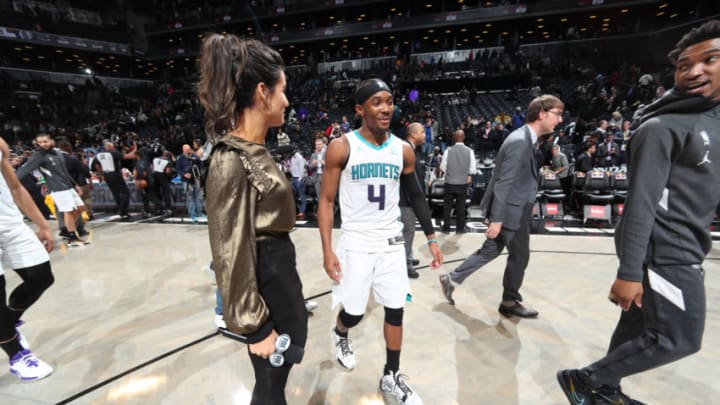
514	181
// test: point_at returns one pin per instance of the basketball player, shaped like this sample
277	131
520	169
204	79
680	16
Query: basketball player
23	252
368	165
662	237
51	164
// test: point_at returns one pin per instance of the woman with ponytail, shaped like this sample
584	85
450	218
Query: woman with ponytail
250	205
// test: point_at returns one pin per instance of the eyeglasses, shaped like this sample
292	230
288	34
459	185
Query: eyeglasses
558	113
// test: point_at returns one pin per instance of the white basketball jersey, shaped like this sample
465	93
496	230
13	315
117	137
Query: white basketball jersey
9	212
106	161
370	192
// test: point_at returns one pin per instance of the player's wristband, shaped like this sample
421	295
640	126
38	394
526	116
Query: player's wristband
430	241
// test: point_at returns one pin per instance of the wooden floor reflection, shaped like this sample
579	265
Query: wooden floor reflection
138	292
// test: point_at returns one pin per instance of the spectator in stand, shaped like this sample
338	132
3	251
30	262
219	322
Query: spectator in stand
548	141
607	151
499	134
518	118
561	139
586	161
317	162
561	168
345	124
282	137
427	146
616	120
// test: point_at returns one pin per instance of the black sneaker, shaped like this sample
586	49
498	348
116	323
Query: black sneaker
412	273
82	232
578	391
73	240
64	234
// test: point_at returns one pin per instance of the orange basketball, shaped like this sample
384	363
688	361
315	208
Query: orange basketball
141	184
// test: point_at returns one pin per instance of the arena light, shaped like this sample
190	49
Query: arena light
624	10
88	71
660	13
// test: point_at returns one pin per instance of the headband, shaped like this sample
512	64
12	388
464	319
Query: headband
369	87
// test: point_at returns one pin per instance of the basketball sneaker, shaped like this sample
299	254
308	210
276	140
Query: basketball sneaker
343	351
394	383
578	390
27	367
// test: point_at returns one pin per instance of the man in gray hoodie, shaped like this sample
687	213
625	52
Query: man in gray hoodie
662	238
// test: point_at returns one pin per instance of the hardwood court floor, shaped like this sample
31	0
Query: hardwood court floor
138	292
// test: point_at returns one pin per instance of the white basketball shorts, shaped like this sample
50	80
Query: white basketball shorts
67	200
385	273
20	248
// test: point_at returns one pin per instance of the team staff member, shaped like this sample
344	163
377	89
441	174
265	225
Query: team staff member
23	252
368	165
662	237
416	138
109	163
250	204
508	204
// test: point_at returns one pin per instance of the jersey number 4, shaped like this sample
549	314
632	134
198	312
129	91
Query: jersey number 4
380	198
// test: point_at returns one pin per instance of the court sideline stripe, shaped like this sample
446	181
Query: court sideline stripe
132	370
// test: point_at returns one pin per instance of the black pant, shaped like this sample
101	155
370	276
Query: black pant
162	189
659	333
455	195
518	245
120	192
36	280
281	289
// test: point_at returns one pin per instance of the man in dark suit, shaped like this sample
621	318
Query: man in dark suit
508	204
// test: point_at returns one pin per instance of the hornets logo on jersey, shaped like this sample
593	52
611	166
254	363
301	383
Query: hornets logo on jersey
370	189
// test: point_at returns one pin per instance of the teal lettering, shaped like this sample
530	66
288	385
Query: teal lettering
355	172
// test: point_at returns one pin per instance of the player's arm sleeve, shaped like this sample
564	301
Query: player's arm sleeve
416	197
651	154
231	227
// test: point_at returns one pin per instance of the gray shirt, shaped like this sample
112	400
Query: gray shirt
558	161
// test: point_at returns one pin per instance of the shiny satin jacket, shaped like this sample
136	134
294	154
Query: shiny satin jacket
248	199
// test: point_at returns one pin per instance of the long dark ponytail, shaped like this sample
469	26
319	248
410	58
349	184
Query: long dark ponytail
230	70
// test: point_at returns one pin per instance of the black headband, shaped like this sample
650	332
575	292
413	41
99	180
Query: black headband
368	88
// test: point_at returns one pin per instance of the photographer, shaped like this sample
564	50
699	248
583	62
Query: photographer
189	167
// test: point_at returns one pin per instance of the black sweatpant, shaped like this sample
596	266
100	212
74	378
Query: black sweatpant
281	288
120	192
668	327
